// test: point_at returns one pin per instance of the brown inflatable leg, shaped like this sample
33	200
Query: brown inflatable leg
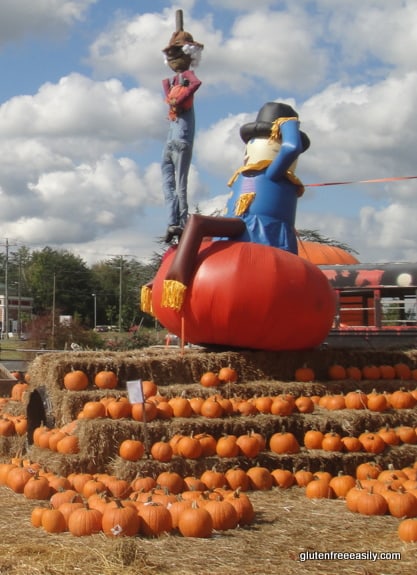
182	267
197	228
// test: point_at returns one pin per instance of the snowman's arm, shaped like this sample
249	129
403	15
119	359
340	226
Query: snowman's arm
291	148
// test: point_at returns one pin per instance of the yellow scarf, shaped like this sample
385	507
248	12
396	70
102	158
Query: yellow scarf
262	165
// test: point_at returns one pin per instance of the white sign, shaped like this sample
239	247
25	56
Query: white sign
135	391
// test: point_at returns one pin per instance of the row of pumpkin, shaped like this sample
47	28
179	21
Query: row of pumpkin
84	503
78	380
159	406
64	440
216	405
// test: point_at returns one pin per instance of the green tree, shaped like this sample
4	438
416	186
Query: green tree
117	283
60	281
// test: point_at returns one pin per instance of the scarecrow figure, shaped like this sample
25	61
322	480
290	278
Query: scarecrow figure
262	205
181	53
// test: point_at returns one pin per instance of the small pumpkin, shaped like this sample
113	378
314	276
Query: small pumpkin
37	488
332	441
313	439
260	478
161	451
211	408
304	374
371	503
227	446
106	379
319	489
195	522
283	478
131	449
243	506
76	380
353	372
284	442
342	483
407	530
144	411
336	372
120	520
356	400
237	478
402	399
94	410
189	447
171	480
209	379
304	404
53	521
155	520
227	374
85	521
213	479
371	372
402	371
223	514
248	445
377	401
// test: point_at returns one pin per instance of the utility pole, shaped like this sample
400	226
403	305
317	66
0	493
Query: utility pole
120	294
5	327
53	312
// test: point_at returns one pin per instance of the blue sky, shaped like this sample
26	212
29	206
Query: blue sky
83	122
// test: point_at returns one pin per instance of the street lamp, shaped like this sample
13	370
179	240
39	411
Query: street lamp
95	309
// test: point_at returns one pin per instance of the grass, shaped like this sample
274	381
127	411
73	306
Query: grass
10	350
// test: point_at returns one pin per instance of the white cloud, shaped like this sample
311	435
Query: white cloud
26	18
79	158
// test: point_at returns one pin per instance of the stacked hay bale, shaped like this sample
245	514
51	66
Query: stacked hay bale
178	372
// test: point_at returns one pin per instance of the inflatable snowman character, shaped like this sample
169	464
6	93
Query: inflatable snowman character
265	188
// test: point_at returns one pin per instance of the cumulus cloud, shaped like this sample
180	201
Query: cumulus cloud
25	18
79	158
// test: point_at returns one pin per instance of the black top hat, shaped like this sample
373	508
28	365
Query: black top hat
261	127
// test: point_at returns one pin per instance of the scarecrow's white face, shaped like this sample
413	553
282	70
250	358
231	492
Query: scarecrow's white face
261	149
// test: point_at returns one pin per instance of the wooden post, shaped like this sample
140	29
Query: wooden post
179	21
182	334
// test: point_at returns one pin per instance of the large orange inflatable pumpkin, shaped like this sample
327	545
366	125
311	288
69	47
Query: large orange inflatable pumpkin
324	254
252	296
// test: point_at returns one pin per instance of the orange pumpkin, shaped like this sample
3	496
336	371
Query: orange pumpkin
356	400
195	522
407	530
336	372
131	449
319	489
228	374
75	380
304	374
162	451
106	379
324	254
210	379
284	442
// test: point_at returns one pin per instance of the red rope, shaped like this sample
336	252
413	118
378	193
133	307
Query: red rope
360	181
